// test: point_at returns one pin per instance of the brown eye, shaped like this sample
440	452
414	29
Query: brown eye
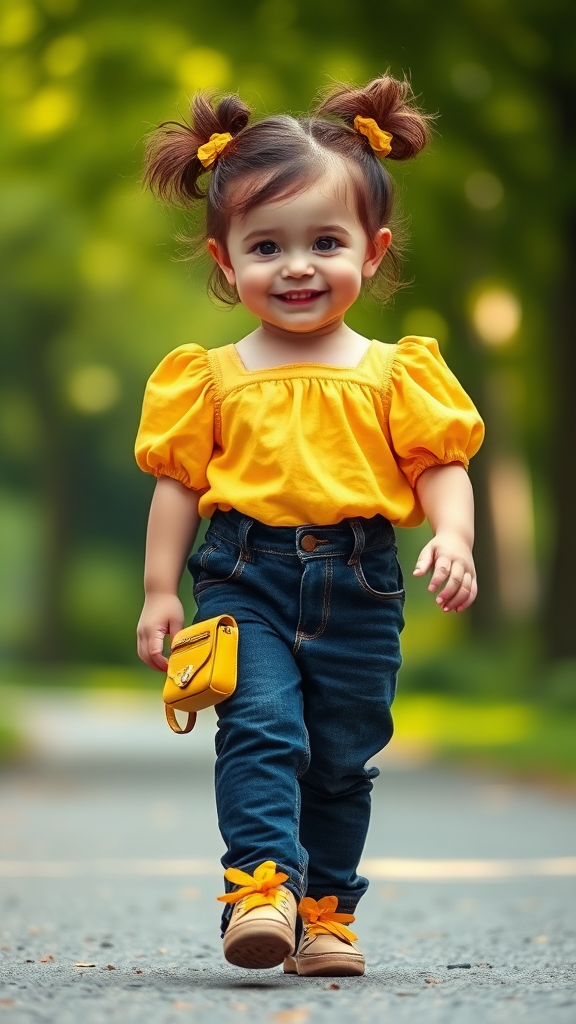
325	244
266	248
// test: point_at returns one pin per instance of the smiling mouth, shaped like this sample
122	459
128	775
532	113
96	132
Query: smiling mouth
299	298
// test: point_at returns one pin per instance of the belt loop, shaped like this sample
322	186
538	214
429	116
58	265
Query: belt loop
359	541
243	531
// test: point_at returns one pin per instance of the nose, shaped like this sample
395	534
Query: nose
297	264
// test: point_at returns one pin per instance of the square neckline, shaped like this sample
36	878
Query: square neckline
299	365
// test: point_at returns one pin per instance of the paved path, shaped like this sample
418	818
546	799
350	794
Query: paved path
109	857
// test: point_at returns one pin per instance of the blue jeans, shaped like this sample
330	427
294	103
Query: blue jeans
319	610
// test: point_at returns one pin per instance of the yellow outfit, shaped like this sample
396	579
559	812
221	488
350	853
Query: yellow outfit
307	443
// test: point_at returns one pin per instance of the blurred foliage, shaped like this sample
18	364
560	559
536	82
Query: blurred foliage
93	294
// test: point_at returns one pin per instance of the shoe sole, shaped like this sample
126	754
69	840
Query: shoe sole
258	947
326	965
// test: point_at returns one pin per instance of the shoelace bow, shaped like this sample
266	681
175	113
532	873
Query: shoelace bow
257	890
320	918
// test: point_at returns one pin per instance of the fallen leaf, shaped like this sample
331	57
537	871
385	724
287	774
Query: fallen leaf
7	1002
46	959
110	967
179	1005
138	970
294	1016
431	981
83	963
333	985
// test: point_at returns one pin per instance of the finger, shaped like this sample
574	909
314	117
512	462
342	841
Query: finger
425	560
471	597
458	597
154	650
175	625
453	583
153	660
441	573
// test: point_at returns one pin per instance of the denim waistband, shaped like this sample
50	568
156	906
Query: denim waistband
350	537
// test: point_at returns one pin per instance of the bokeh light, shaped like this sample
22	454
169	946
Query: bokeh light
496	315
484	190
65	55
93	389
203	68
18	22
50	111
471	80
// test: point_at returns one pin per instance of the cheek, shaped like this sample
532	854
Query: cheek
347	279
254	279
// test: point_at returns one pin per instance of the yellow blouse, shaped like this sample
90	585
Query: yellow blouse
307	443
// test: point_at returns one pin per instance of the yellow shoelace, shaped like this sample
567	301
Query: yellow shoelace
259	889
320	918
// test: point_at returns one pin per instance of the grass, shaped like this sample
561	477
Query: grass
523	738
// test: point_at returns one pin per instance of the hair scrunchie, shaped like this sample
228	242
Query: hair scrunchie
217	142
378	139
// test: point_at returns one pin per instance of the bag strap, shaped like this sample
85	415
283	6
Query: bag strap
174	724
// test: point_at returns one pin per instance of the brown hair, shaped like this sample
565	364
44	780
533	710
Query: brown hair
279	156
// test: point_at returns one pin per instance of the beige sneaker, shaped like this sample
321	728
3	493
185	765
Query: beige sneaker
327	948
262	928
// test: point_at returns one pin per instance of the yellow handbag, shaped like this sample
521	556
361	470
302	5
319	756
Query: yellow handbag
201	669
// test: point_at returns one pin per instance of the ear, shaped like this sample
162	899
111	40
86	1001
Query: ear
375	251
219	253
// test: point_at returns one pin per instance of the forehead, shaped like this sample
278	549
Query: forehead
328	197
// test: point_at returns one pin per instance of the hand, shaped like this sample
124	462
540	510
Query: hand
161	614
451	559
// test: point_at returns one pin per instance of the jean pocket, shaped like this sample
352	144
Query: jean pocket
379	574
216	562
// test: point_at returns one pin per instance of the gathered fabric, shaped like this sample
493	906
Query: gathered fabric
307	442
217	142
380	140
320	918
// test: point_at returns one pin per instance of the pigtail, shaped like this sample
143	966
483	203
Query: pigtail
171	165
391	104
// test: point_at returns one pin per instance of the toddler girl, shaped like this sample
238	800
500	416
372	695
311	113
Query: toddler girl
304	444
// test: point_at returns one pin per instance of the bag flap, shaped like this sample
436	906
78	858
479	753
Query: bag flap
191	650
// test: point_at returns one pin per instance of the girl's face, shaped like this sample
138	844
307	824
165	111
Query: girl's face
298	264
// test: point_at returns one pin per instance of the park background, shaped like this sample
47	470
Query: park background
95	292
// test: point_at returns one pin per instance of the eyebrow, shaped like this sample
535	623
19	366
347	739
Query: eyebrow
324	229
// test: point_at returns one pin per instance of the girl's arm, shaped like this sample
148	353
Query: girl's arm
172	527
445	493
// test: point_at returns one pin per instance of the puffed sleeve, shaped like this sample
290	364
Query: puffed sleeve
176	433
432	419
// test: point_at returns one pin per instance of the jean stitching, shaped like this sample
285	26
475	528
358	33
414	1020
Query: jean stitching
234	575
328	574
380	595
206	554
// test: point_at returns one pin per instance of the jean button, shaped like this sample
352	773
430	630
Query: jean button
308	542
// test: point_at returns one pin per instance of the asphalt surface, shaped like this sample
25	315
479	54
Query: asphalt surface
109	856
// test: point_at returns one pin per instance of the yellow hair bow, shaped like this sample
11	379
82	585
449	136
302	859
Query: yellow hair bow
258	889
211	149
378	139
320	918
